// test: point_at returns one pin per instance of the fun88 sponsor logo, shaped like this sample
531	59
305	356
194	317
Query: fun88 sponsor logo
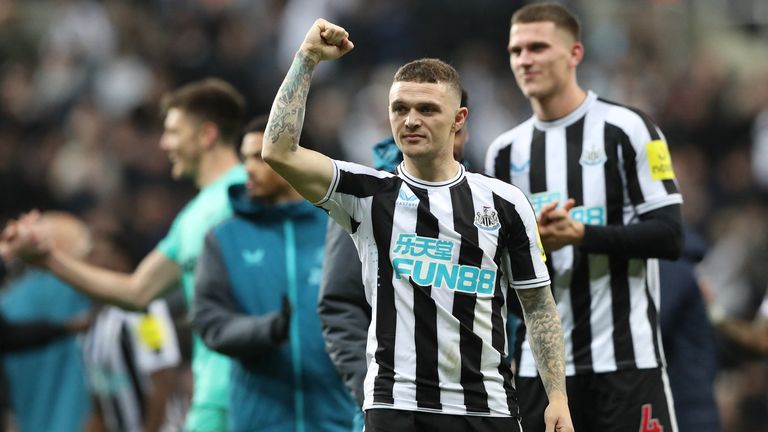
583	214
588	215
428	262
539	200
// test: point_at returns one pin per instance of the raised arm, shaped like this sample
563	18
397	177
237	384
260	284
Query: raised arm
545	334
309	172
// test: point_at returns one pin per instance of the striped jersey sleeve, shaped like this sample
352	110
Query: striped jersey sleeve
650	176
350	186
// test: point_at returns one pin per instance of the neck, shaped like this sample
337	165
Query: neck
214	164
559	104
432	170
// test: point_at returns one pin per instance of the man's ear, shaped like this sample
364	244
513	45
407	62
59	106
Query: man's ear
459	119
577	53
209	134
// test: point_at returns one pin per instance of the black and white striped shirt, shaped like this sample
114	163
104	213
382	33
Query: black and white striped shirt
438	259
121	350
614	162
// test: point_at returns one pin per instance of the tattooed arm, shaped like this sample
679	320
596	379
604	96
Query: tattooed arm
309	172
545	335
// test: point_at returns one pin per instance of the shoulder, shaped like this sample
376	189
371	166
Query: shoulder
502	189
359	169
509	137
231	223
628	118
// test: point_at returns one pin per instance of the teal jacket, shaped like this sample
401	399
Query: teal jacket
249	263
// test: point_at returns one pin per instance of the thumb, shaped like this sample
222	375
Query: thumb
549	425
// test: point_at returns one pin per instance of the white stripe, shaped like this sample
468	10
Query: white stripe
448	353
601	316
670	400
405	344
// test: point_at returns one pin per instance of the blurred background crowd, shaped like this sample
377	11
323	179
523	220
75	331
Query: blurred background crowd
81	80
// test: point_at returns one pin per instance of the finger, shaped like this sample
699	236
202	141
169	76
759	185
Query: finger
30	217
346	45
569	204
10	231
549	207
334	35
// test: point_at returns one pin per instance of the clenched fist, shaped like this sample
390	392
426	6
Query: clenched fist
326	41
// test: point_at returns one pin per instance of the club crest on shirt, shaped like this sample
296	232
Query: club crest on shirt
487	220
593	156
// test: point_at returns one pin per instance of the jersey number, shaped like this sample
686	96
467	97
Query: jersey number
649	424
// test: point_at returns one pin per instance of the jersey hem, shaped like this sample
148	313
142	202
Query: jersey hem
410	406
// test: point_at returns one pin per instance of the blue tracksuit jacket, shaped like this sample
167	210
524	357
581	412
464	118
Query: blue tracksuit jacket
249	262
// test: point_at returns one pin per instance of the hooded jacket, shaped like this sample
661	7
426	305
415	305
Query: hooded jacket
249	263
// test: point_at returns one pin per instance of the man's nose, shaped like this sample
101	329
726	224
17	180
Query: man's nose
412	121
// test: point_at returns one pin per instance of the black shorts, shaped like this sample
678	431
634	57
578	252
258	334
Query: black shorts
393	420
634	400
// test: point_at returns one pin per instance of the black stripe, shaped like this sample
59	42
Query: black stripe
538	169
581	301
623	350
502	164
630	167
614	138
117	414
581	297
623	346
364	185
653	132
425	317
382	215
354	224
516	241
574	144
653	318
126	350
498	320
470	344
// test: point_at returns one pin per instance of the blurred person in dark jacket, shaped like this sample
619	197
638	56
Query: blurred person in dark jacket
47	385
256	301
688	339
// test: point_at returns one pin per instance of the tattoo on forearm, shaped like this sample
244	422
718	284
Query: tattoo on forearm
545	334
287	116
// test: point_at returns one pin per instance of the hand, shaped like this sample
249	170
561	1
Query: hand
25	239
79	323
557	416
282	323
326	41
557	228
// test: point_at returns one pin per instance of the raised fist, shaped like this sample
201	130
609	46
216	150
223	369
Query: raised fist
326	41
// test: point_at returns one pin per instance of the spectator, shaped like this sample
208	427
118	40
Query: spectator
256	301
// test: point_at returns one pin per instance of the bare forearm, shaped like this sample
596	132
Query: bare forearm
287	116
545	335
751	336
133	291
